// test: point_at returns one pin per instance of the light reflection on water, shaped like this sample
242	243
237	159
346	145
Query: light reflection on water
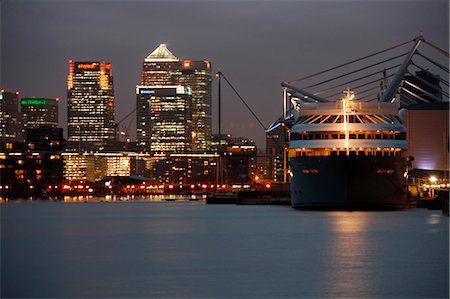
114	198
348	250
179	249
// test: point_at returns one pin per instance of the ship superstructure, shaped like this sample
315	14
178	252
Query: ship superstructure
347	150
348	154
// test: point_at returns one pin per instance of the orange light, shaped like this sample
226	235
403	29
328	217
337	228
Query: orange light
66	187
208	65
268	186
204	186
87	65
192	186
57	99
170	186
212	186
256	178
186	64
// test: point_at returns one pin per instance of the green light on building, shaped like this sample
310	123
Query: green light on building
39	102
1	96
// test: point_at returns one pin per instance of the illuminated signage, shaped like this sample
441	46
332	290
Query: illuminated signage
87	65
1	96
39	102
146	91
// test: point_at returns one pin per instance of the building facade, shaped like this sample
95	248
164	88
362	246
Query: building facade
34	168
238	163
38	112
196	75
427	127
163	68
90	103
10	126
96	166
164	118
277	143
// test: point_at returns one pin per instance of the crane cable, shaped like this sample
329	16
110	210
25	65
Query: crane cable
243	101
350	62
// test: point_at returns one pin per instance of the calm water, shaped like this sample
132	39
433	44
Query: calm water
188	249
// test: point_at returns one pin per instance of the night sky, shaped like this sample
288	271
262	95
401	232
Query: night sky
257	44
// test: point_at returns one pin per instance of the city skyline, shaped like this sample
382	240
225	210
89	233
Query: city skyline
256	44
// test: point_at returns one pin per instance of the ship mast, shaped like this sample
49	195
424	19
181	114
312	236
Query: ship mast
349	95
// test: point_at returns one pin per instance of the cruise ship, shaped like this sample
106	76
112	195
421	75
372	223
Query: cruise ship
347	144
348	154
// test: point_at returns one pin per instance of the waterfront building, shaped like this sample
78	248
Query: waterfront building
238	159
426	120
34	168
427	126
184	169
90	103
163	68
39	112
96	166
164	118
10	126
277	144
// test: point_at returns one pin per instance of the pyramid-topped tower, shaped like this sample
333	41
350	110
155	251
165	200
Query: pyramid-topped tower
162	53
161	68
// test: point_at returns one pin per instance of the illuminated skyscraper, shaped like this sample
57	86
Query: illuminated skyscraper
196	74
90	101
10	127
158	66
163	68
39	111
164	118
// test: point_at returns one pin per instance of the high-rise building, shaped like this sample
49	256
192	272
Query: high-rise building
10	126
164	118
37	112
90	102
197	76
158	66
163	68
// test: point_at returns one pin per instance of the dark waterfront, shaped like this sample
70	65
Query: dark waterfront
189	249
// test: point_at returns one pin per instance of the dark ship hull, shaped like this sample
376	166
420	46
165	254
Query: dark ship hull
348	182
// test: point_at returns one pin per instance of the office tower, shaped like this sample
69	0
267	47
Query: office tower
10	127
38	112
157	68
90	102
164	118
163	68
197	76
